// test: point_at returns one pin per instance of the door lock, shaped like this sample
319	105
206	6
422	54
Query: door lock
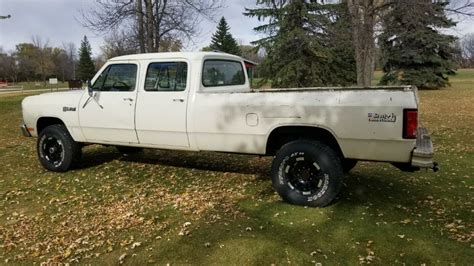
178	100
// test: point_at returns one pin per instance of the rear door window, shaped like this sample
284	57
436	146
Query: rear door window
166	76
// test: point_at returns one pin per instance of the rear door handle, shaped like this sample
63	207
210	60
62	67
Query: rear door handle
128	99
178	100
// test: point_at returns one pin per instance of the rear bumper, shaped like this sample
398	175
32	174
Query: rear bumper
24	131
423	153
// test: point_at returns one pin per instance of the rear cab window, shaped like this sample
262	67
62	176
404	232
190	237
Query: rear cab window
222	72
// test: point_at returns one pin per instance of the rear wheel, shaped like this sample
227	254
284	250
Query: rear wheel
57	151
307	173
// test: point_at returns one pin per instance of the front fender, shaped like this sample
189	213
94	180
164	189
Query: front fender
63	106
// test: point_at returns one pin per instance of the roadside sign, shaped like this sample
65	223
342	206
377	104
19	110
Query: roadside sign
53	81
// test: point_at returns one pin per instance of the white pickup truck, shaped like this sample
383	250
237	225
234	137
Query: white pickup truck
203	101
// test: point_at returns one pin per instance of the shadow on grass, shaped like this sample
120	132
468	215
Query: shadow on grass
358	189
97	156
378	185
207	161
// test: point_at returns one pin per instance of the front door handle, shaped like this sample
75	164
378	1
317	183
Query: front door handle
178	100
128	99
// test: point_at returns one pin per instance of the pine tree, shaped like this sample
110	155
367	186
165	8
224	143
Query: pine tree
294	57
85	68
307	44
223	41
414	50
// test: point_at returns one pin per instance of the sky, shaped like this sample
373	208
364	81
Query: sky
58	22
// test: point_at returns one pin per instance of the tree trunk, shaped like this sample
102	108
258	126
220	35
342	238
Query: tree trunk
160	8
140	22
149	26
363	19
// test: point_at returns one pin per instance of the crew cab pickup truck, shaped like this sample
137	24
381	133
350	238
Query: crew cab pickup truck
203	101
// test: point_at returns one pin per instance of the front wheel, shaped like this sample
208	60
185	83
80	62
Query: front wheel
57	151
348	165
307	173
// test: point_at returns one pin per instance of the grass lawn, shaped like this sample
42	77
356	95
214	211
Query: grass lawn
177	207
39	85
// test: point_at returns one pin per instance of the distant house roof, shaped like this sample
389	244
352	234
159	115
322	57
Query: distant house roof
249	63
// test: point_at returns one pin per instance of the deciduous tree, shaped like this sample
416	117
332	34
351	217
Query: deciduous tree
364	17
153	21
8	67
25	55
118	43
467	48
71	51
43	60
60	61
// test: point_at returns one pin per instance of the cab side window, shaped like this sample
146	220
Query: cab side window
118	77
166	76
222	73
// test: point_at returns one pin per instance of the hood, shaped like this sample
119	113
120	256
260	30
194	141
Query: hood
60	98
60	93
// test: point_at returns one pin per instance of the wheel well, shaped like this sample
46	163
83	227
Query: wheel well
282	135
44	122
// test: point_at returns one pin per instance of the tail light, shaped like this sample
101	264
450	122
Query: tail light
410	123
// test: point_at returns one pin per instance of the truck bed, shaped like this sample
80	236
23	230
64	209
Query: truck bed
350	88
242	120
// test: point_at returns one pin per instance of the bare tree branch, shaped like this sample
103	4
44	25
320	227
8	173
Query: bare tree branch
152	19
462	8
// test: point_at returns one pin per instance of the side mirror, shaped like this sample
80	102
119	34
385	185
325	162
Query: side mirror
89	88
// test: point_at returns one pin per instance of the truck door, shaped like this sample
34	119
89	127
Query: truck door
109	115
162	104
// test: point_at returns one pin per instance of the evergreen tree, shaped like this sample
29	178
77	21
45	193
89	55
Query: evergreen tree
85	68
307	43
414	50
341	60
223	41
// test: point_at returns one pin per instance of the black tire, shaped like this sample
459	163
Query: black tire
348	164
57	151
307	173
125	150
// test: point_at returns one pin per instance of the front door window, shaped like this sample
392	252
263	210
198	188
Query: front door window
118	77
